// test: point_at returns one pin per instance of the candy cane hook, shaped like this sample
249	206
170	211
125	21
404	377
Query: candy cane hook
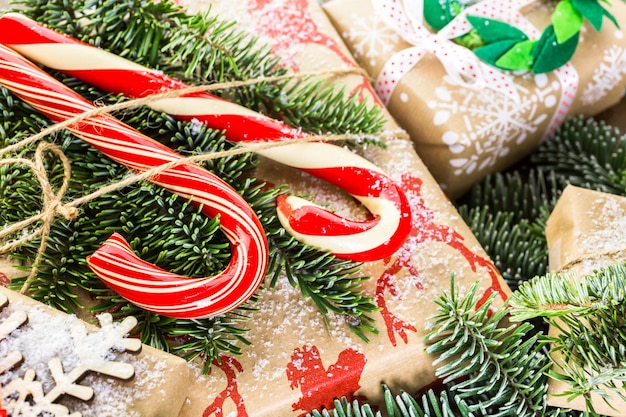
140	282
368	240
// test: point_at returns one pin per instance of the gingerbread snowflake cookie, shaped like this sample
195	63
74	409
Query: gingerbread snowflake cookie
54	364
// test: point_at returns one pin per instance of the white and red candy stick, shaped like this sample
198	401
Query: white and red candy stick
140	282
368	240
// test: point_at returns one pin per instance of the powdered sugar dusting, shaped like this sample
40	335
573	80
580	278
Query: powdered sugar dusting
39	347
49	335
607	242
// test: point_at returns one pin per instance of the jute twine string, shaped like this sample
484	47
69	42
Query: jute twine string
52	202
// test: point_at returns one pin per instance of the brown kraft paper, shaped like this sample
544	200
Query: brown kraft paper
585	232
462	134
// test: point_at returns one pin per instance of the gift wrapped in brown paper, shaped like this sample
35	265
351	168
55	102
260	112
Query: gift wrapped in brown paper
296	362
56	364
465	127
585	233
298	358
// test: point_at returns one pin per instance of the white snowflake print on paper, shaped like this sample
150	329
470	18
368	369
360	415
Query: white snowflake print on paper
371	38
606	76
33	380
493	123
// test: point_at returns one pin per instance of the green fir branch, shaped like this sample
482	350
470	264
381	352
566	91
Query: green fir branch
588	313
497	368
402	405
521	192
334	285
429	404
487	366
589	154
507	212
320	109
585	153
517	249
344	408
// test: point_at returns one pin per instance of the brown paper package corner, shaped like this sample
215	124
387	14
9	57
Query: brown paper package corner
286	321
146	397
584	234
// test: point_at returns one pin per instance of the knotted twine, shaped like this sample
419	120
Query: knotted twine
52	202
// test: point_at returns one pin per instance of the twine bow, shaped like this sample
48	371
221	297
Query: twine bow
52	203
462	65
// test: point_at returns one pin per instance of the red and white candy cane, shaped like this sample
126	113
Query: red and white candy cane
373	239
140	282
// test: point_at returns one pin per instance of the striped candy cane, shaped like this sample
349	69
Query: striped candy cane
114	262
369	240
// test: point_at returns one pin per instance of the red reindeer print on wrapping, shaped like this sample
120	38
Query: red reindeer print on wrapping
229	366
385	283
3	411
290	26
4	281
365	90
321	386
424	230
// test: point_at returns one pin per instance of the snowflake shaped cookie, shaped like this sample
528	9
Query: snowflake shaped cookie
26	391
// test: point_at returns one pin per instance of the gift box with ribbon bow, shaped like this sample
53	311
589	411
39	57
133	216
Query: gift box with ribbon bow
468	118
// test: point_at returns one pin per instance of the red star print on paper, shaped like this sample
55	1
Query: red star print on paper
320	386
424	230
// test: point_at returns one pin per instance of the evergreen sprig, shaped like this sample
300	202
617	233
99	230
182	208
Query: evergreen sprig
507	213
487	366
589	314
161	228
429	404
485	371
585	153
496	368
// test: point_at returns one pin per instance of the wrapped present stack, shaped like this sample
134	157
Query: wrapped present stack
298	258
